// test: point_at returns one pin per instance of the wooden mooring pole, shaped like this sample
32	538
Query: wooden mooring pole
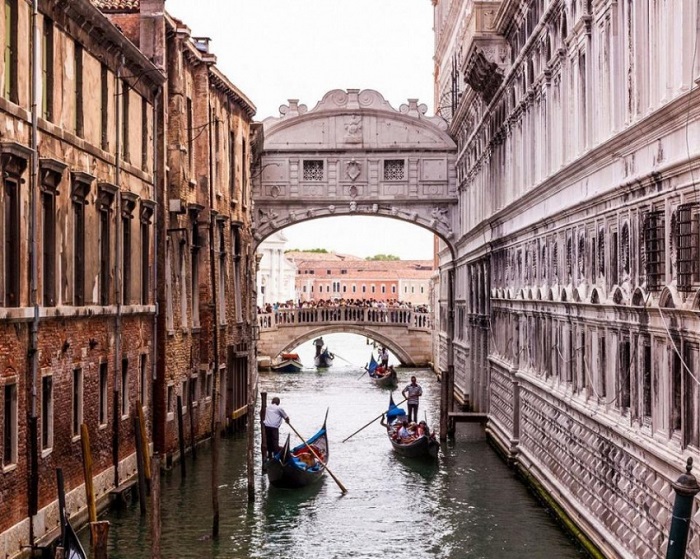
181	437
155	506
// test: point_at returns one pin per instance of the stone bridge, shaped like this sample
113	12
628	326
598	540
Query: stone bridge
405	332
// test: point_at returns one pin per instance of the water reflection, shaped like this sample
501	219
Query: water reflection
466	505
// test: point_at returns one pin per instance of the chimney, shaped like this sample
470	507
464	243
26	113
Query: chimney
152	40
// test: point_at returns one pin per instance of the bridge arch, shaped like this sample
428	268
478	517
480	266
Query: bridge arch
403	354
354	154
406	333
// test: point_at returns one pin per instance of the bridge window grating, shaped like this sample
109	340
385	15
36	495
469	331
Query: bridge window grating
394	170
313	170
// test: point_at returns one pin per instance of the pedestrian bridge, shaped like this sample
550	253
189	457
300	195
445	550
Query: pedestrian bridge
407	333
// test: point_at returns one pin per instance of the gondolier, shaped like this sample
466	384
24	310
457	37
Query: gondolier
274	415
412	393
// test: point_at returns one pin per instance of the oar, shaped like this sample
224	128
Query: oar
370	423
342	487
363	374
343	358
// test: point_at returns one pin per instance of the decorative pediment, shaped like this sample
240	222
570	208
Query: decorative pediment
14	157
51	173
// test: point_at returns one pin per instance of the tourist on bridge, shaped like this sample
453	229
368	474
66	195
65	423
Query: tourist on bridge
412	393
274	415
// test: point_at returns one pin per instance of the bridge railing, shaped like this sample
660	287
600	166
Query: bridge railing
344	315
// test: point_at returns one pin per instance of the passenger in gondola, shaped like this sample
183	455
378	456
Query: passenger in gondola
403	434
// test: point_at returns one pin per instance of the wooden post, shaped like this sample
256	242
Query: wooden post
144	444
140	465
190	410
87	472
99	532
155	507
181	437
215	479
263	438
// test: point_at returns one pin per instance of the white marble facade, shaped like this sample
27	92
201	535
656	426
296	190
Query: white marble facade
276	273
577	276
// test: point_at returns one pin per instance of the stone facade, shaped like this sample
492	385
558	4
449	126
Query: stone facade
276	273
576	281
77	299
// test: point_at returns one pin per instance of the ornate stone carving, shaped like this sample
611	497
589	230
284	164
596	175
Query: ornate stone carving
353	170
353	206
353	130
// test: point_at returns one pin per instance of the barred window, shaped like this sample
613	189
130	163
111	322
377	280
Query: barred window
394	170
313	170
654	249
686	247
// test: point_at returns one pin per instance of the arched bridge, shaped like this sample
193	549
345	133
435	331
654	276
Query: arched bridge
404	331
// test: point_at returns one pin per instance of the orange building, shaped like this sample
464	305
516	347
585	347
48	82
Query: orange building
323	276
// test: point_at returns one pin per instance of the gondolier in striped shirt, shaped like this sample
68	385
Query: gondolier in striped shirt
412	392
274	415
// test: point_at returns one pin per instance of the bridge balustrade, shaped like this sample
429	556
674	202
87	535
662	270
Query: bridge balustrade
348	314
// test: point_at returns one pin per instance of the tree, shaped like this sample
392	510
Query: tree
383	257
318	250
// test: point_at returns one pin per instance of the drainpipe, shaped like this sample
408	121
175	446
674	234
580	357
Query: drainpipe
33	282
116	415
215	336
154	343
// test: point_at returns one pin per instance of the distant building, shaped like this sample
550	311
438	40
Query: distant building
276	273
333	276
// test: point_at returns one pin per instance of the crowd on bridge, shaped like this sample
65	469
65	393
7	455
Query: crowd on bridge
389	304
391	311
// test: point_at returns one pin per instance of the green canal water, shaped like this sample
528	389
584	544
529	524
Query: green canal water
467	505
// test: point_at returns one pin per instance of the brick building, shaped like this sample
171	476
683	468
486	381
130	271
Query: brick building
123	192
77	277
204	238
336	276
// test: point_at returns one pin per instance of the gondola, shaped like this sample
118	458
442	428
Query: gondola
424	446
380	376
72	549
298	467
324	359
287	363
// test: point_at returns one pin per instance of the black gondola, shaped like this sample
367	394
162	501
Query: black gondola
380	375
424	445
298	467
324	359
72	548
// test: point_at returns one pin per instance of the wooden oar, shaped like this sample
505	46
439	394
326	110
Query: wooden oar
364	373
343	358
342	487
370	423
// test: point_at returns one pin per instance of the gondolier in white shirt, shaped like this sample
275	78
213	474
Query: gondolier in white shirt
412	392
274	415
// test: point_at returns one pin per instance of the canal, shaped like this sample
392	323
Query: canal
467	505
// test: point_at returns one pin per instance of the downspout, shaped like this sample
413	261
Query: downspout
33	349
215	313
116	416
156	217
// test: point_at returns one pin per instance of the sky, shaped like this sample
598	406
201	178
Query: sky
275	50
